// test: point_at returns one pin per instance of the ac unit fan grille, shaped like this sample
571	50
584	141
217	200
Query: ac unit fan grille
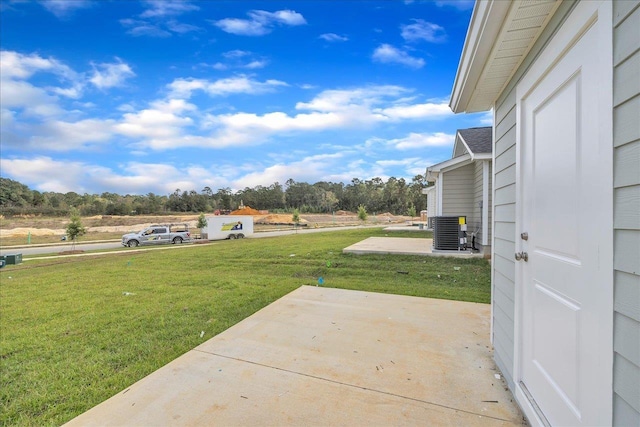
447	233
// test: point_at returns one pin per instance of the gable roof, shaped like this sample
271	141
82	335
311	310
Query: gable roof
479	146
500	35
478	140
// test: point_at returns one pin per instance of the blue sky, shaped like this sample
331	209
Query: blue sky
134	97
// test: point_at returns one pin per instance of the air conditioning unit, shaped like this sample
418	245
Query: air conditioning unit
450	233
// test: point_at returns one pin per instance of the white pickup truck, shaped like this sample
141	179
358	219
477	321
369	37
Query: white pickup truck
157	235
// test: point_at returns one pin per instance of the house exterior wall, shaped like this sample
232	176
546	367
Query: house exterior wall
504	226
431	202
626	274
626	212
478	205
458	150
457	191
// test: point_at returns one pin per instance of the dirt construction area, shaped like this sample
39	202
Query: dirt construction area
38	226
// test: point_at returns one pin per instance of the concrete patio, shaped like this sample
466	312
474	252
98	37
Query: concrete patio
321	356
403	246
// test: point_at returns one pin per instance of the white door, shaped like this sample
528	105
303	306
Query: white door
564	309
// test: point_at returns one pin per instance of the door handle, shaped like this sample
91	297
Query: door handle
522	256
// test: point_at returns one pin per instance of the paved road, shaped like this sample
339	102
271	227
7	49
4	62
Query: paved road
57	248
54	249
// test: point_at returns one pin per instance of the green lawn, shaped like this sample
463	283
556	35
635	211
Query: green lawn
75	331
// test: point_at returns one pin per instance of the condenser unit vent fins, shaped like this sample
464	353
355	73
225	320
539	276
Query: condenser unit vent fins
449	233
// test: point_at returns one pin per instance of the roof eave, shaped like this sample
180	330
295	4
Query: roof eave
486	22
483	156
438	167
500	36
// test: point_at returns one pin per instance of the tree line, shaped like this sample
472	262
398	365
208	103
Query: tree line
396	196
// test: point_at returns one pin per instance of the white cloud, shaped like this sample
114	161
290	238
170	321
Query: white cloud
109	75
233	54
64	8
49	174
421	141
73	92
127	108
310	169
423	30
457	4
143	28
416	111
183	88
486	118
19	66
332	109
260	23
287	17
16	68
242	27
155	28
254	65
140	178
386	53
162	8
343	99
68	136
332	37
239	59
280	122
181	28
17	94
161	123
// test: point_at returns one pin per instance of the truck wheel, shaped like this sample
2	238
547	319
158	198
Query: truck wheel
240	236
177	240
232	236
132	243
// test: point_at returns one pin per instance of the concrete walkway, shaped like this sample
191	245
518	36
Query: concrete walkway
321	356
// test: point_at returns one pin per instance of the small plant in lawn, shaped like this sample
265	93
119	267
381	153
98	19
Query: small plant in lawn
75	228
296	218
202	224
411	211
362	213
202	221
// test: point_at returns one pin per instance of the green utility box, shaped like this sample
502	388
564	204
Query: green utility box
13	259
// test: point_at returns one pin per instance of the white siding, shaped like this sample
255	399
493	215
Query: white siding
431	202
626	182
459	149
458	192
504	236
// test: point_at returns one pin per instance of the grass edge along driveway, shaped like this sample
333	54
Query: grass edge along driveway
75	331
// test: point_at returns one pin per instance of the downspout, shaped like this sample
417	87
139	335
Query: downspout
485	203
439	186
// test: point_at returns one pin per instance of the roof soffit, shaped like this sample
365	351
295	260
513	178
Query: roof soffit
500	35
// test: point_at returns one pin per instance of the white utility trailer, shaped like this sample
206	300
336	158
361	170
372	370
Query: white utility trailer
221	227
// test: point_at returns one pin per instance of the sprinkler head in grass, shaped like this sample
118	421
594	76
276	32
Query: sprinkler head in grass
320	281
